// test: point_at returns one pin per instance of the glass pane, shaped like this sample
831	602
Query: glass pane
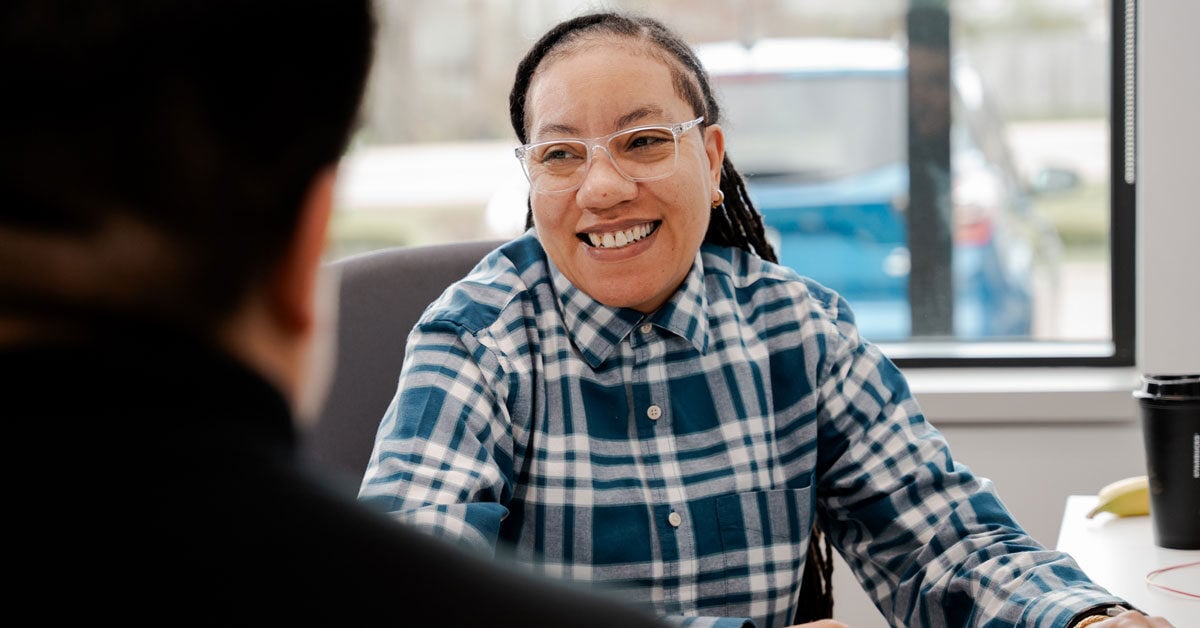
820	101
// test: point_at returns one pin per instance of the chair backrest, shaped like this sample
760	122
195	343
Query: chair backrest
383	293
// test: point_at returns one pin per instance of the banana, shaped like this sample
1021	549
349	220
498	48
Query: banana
1124	498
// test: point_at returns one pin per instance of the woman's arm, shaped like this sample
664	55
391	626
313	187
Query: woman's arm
930	541
442	459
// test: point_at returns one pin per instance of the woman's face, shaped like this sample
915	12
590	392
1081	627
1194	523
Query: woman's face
598	88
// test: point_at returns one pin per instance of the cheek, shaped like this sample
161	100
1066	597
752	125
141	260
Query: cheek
692	203
554	227
700	183
544	216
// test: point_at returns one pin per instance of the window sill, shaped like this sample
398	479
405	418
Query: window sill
1025	395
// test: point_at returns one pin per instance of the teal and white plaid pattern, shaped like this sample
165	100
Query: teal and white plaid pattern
681	457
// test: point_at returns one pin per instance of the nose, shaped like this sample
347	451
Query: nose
603	185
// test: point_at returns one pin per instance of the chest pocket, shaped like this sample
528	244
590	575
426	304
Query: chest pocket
764	535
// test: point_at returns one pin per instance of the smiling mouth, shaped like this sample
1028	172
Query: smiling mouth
622	238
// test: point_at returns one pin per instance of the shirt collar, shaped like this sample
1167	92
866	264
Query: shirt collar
686	313
596	329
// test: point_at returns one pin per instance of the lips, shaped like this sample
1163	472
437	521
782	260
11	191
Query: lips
619	238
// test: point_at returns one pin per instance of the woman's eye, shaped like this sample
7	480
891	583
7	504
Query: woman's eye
647	140
558	154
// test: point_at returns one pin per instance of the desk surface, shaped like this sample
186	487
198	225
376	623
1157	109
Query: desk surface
1117	553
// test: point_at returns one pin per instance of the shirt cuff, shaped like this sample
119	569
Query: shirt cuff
1103	610
1065	607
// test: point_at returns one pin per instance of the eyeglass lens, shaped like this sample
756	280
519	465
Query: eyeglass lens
638	154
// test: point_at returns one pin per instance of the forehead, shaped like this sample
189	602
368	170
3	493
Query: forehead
585	82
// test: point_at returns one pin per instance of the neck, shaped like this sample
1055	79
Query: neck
252	337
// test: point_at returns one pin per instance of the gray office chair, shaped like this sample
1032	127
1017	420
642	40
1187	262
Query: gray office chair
383	293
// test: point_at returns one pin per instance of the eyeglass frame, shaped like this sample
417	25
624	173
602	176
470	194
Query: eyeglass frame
601	142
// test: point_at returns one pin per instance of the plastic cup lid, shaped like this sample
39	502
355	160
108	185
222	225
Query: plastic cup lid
1169	387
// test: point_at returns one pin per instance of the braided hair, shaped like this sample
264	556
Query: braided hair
735	222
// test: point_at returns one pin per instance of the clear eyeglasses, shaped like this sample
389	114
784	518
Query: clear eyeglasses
641	153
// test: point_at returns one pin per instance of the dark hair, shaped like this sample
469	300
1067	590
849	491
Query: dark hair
733	223
156	152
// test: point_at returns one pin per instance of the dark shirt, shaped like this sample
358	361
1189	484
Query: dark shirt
156	479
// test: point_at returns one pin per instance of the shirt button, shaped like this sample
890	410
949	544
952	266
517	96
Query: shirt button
674	519
654	412
646	328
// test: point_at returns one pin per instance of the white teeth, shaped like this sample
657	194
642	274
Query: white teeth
618	239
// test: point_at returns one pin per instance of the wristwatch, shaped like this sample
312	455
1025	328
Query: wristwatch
1098	614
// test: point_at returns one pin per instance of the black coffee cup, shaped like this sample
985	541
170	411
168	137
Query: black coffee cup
1171	433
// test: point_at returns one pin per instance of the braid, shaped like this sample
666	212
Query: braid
736	222
816	584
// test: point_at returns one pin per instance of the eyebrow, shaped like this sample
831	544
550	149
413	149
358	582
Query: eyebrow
638	114
626	120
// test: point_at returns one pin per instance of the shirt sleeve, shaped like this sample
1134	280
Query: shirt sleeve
442	459
930	542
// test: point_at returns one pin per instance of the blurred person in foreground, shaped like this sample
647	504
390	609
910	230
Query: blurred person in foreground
167	170
633	394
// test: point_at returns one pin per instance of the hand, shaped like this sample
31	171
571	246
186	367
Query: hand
824	623
1132	619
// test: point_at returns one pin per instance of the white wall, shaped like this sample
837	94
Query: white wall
1036	463
1167	186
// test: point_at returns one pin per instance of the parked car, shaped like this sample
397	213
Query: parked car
819	127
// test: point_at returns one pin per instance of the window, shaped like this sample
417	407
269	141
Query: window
947	168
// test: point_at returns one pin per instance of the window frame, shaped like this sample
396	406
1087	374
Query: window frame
1122	251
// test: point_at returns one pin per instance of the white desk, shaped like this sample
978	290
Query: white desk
1117	553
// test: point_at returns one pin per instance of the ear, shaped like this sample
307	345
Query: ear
296	276
714	146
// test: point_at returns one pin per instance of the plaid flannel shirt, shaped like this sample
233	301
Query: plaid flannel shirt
681	457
